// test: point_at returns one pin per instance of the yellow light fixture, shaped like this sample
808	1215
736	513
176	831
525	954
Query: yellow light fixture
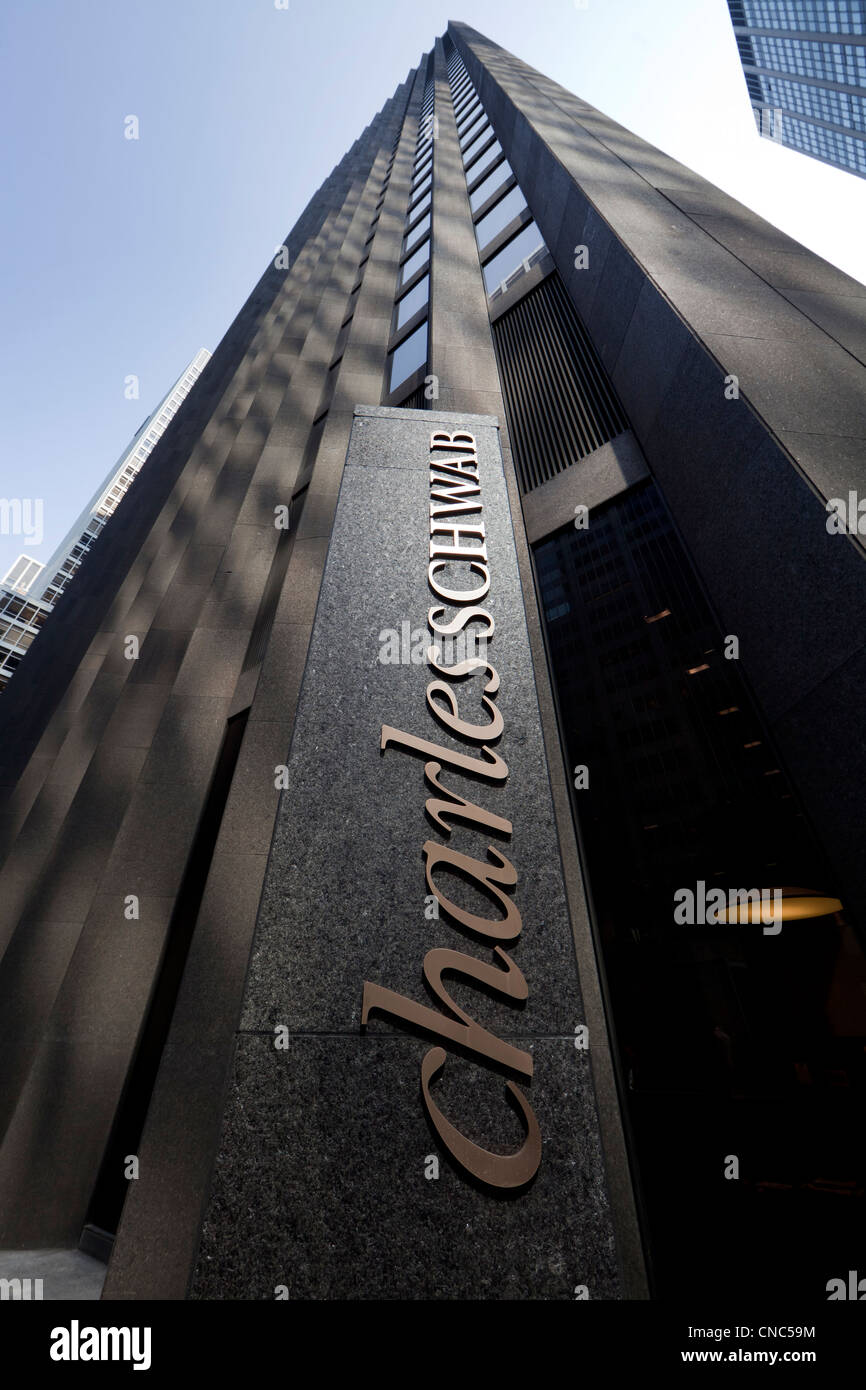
797	904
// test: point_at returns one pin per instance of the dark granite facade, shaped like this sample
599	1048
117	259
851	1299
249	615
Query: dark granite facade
319	1183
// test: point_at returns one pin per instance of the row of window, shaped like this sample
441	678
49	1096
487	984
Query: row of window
146	445
834	62
14	636
20	621
847	150
823	17
67	571
27	612
413	290
819	103
488	174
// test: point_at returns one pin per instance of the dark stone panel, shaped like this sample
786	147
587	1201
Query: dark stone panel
144	869
547	190
301	589
186	739
778	259
27	855
163	1211
607	318
235	594
319	936
333	1124
93	1026
564	219
740	496
161	654
248	822
182	601
298	977
51	870
31	972
280	680
586	230
95	813
827	398
653	348
136	715
823	738
836	459
720	296
212	662
19	799
162	815
839	315
210	998
139	615
58	893
34	1212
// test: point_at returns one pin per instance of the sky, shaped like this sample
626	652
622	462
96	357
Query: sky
124	257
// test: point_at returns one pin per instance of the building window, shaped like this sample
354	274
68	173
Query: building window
476	146
413	301
422	172
418	193
501	174
506	261
489	157
409	357
421	205
465	115
499	217
415	262
418	232
479	127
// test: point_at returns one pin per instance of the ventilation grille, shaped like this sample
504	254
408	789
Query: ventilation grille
416	400
558	399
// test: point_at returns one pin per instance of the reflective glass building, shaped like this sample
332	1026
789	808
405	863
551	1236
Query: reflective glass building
805	67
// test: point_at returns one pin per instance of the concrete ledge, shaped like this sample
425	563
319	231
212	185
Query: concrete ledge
599	477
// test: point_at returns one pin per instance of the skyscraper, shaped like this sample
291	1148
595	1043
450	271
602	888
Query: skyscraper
433	840
44	584
805	67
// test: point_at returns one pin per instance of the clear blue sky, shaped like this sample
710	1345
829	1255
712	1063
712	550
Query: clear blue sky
125	256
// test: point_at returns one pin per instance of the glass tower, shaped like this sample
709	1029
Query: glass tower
805	67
